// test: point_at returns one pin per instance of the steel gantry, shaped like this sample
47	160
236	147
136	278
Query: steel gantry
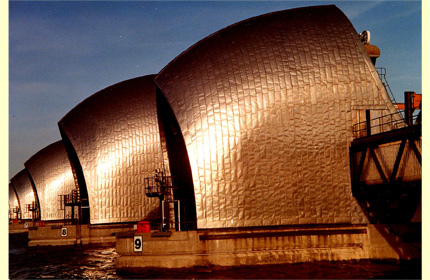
386	165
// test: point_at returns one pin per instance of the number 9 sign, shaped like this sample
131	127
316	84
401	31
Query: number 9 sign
137	244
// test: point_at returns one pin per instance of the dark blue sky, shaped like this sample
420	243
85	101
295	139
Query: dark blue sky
62	52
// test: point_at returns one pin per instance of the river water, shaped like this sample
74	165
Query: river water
99	263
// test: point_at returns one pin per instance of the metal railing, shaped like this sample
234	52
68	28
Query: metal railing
382	124
158	185
69	199
14	212
33	209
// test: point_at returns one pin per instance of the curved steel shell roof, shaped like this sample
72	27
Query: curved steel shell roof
25	192
52	176
116	138
266	108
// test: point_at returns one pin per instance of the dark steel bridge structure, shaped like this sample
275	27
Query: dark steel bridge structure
385	160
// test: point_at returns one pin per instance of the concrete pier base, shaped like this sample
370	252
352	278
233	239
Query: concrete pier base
65	235
259	246
19	227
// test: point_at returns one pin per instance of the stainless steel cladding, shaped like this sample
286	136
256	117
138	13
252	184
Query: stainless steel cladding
52	176
13	202
113	140
266	108
25	192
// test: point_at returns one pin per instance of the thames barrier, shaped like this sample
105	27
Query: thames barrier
275	140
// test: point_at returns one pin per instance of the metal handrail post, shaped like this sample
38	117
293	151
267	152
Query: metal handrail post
368	127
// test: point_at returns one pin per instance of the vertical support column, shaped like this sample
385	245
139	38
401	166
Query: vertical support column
179	214
79	212
164	221
409	107
63	203
368	123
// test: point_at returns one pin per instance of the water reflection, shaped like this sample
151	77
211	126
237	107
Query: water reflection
62	263
99	263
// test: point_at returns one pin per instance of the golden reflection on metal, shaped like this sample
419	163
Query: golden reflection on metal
116	137
266	107
52	176
24	190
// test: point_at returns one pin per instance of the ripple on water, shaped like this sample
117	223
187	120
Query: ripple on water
99	263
